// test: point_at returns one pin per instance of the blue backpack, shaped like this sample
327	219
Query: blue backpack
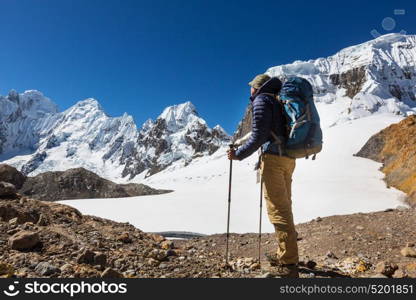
304	135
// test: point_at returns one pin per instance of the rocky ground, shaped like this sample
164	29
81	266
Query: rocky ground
77	183
47	239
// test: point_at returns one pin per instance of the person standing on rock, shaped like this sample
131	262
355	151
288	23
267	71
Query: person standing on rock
276	169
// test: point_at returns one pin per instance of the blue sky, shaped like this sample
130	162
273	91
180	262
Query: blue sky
141	56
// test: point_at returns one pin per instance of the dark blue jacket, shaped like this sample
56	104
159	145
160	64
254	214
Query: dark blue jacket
267	116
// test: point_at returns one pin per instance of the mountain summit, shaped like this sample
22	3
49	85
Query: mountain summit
379	75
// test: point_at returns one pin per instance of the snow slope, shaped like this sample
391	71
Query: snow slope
336	183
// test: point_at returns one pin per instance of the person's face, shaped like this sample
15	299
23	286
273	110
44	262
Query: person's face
252	91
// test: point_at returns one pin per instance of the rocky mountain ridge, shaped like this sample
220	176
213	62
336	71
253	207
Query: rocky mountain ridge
77	183
35	137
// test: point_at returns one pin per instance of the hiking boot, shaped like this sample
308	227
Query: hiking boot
285	271
272	259
281	270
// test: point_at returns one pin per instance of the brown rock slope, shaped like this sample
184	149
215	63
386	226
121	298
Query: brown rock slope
395	147
47	239
77	183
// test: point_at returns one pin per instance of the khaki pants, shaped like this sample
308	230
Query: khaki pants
276	174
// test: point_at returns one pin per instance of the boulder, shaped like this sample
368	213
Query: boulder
167	245
86	257
386	268
110	273
11	175
24	240
91	258
7	189
408	252
46	269
100	259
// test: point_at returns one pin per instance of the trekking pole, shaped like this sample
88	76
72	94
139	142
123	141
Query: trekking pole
229	205
261	212
261	203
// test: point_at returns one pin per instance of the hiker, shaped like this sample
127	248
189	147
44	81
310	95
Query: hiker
276	169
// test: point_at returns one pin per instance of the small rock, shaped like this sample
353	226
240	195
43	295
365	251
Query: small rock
411	245
167	245
24	240
111	273
362	266
331	261
46	269
7	189
67	268
86	257
124	237
13	221
43	221
100	259
310	264
153	262
359	227
158	254
386	268
13	231
265	275
378	276
130	273
408	252
318	219
400	274
330	254
157	238
6	270
402	208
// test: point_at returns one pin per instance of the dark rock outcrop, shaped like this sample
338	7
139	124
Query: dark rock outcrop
395	147
352	81
244	126
80	183
200	138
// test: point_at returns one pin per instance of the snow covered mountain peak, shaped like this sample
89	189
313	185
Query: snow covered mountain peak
181	115
31	103
375	76
89	104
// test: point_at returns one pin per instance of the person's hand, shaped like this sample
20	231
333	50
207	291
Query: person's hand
231	154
